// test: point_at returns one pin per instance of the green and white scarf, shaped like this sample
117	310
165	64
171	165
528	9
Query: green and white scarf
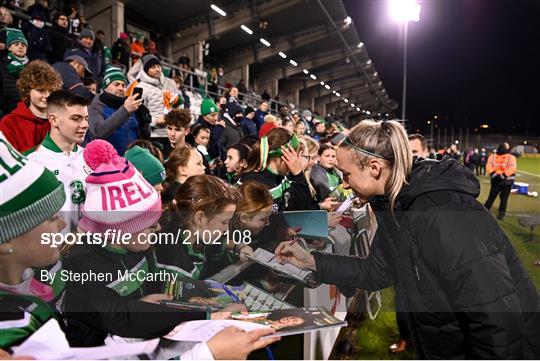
16	64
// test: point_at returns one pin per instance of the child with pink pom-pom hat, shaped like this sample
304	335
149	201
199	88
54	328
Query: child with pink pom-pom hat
126	304
118	196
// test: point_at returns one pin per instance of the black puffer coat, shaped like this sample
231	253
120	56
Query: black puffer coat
463	282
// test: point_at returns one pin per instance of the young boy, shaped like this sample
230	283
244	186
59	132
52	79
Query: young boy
10	69
27	125
61	153
177	125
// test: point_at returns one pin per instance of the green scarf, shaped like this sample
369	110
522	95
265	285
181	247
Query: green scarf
16	64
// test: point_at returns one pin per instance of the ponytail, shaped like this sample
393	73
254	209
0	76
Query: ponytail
269	147
388	141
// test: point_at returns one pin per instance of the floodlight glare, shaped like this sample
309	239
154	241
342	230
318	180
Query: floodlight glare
246	29
293	62
264	41
305	71
312	76
282	54
405	10
218	10
327	87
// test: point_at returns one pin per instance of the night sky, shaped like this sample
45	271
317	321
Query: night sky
469	62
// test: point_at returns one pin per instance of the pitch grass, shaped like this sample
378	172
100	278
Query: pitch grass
375	336
530	165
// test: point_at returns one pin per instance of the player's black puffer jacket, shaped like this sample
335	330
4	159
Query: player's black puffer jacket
463	282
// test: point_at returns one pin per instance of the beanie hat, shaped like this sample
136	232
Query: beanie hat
14	36
124	36
87	33
30	194
38	14
208	106
112	73
249	110
150	167
117	195
234	109
58	15
149	61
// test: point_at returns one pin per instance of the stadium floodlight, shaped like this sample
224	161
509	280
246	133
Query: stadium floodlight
346	100
352	105
312	76
357	109
322	83
360	44
327	87
337	94
246	29
282	54
218	10
333	92
405	10
368	112
347	21
264	41
294	63
305	71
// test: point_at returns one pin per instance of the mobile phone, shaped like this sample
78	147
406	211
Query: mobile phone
139	91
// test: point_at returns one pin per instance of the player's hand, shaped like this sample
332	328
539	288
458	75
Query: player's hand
292	252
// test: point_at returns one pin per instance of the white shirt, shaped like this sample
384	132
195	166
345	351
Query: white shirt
71	170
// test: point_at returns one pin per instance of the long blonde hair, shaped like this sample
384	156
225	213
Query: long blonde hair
313	148
386	140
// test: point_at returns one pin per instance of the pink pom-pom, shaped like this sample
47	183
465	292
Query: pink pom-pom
97	152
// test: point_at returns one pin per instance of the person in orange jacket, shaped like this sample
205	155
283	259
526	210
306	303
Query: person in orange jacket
502	167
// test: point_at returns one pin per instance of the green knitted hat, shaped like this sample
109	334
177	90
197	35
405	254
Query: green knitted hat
30	193
14	36
111	74
208	106
150	167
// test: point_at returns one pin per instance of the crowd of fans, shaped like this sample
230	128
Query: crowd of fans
92	118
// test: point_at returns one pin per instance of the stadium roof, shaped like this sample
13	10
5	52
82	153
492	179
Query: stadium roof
315	35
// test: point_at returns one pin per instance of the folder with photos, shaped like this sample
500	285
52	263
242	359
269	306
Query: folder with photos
212	296
286	271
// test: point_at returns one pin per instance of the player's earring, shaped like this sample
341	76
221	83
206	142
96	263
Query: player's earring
7	251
